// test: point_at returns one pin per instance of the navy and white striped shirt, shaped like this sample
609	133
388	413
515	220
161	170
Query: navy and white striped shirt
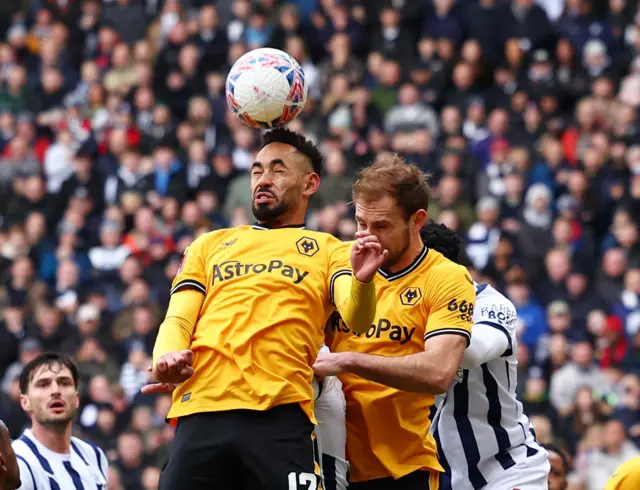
84	468
480	427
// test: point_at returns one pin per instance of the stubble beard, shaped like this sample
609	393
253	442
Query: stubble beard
265	213
56	424
396	253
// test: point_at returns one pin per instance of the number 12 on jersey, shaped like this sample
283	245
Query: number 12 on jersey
308	481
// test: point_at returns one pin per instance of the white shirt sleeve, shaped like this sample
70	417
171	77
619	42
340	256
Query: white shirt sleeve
487	343
493	333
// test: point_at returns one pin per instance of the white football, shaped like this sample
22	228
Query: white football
266	88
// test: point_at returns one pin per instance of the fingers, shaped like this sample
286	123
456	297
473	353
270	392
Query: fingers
174	366
372	246
367	238
172	362
186	372
161	365
366	242
383	257
188	356
157	388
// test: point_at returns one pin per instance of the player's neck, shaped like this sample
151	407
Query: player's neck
54	438
413	250
285	221
272	225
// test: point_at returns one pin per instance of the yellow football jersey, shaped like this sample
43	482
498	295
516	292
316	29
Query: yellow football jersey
261	325
388	429
626	477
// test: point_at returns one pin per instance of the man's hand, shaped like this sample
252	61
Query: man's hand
328	364
9	469
174	367
158	387
367	256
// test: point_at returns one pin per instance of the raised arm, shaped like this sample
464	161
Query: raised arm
177	328
351	288
447	336
172	357
355	301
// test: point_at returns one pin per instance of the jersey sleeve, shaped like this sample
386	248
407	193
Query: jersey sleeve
339	264
192	269
451	297
102	461
497	312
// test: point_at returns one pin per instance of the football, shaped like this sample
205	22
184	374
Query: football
266	88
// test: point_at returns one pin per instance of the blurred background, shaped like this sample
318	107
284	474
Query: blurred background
117	150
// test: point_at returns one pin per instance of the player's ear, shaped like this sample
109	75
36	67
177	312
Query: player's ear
312	184
25	403
419	219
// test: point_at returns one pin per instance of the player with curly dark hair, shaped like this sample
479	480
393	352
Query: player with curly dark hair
245	324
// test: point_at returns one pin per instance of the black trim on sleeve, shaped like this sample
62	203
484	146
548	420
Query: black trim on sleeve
497	326
342	272
189	284
449	331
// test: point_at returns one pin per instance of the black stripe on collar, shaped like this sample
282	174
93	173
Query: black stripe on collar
389	276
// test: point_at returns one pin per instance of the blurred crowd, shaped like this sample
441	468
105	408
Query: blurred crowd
117	149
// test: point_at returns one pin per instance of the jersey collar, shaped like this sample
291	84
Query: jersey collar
258	226
392	276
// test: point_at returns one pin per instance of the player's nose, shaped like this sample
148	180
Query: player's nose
265	180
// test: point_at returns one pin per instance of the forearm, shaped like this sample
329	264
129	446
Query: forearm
356	302
178	326
420	373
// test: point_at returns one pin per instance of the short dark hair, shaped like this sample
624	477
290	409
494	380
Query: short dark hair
550	447
46	359
442	239
390	174
299	142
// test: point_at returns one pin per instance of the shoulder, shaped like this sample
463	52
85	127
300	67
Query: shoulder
494	307
626	477
211	239
29	477
217	235
30	462
22	446
442	273
90	452
338	246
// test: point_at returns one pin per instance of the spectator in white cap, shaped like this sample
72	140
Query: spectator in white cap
484	234
109	256
537	212
595	58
